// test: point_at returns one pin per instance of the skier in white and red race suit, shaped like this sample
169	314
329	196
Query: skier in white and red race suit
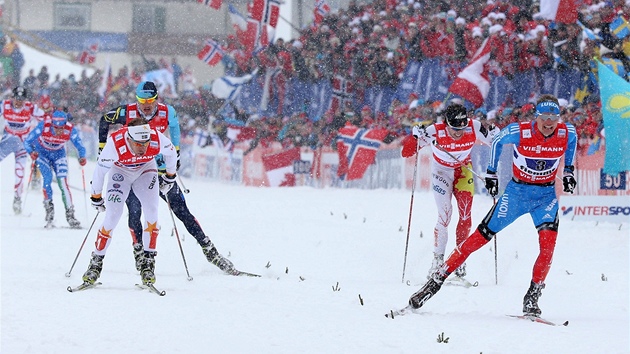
128	160
451	142
17	113
539	146
47	146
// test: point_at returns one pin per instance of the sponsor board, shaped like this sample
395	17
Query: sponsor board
597	208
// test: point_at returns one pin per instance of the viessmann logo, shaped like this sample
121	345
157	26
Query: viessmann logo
596	210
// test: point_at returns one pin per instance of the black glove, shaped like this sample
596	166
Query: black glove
98	203
492	183
166	183
568	180
178	163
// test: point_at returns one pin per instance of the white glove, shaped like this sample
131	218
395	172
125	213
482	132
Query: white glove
418	131
166	183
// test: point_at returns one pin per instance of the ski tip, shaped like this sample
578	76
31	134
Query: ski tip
566	323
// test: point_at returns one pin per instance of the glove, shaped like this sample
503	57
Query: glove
568	180
34	155
492	183
178	163
417	131
98	203
82	161
166	183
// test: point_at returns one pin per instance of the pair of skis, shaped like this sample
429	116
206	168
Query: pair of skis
410	310
459	281
150	287
86	286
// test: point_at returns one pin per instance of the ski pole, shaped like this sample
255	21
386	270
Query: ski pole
168	202
184	189
413	189
496	276
461	163
82	244
84	190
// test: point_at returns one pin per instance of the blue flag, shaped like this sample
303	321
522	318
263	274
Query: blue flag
615	98
620	27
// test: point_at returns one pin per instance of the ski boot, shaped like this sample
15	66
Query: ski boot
50	213
138	255
213	256
94	270
461	271
72	221
147	270
429	289
17	205
438	260
530	301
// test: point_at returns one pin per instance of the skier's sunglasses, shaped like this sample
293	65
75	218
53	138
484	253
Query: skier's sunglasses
549	117
146	100
458	124
139	143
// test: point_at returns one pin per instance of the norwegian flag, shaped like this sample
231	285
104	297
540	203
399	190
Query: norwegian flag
357	150
472	83
321	10
342	92
265	11
254	37
211	53
279	167
88	55
215	4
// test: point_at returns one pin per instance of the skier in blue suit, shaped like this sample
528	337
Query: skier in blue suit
46	145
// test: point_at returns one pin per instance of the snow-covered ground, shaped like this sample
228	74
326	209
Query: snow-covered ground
313	241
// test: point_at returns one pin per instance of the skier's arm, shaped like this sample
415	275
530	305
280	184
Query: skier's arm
508	135
105	161
419	138
76	140
569	154
32	136
115	116
167	149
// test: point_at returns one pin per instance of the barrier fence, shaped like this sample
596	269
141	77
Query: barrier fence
389	169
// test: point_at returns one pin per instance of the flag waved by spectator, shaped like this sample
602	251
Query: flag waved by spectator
473	83
562	11
265	11
212	53
238	20
357	150
88	55
228	87
616	111
321	10
279	167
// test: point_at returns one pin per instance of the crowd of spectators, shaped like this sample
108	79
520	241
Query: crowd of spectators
371	44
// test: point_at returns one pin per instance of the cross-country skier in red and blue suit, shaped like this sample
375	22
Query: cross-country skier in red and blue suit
539	146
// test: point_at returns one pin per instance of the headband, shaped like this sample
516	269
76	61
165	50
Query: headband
549	107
